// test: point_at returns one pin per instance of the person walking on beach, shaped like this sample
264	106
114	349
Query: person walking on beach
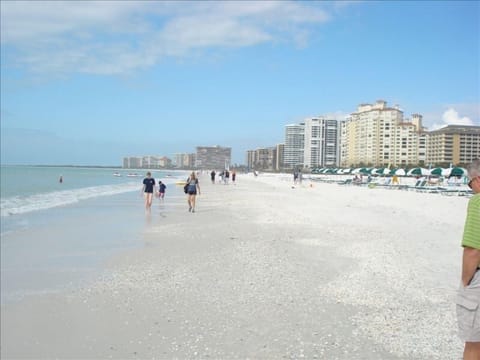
226	177
468	296
148	189
161	189
234	175
192	190
212	176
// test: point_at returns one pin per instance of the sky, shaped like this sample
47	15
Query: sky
91	82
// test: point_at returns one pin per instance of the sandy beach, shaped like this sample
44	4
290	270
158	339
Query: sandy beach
264	270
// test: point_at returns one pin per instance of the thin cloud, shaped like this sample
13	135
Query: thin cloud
114	37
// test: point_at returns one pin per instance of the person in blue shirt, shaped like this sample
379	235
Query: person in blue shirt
161	189
148	189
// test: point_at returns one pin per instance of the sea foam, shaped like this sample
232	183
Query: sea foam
24	204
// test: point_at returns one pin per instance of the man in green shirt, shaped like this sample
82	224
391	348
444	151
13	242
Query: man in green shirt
468	298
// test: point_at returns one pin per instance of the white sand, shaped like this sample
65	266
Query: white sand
266	271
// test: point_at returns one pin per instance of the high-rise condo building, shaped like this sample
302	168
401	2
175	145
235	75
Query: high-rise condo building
213	157
311	144
321	143
294	145
378	135
183	160
270	158
262	158
146	162
280	155
453	144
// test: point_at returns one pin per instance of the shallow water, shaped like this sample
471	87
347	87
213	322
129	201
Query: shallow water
50	248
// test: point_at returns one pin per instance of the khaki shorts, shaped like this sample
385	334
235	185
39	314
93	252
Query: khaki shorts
468	312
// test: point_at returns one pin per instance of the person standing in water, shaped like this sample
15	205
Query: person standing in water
192	190
148	190
161	189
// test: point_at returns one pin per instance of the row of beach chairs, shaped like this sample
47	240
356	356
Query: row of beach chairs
420	186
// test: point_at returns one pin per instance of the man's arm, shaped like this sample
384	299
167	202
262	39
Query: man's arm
471	261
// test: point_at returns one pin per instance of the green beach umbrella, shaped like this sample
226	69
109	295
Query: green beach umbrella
458	171
436	171
378	171
417	171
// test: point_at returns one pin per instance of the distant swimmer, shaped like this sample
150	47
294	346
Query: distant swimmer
61	179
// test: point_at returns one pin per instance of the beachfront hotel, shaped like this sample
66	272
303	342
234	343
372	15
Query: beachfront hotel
374	135
378	135
213	157
454	144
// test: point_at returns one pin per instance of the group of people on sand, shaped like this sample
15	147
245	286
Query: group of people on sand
224	176
192	188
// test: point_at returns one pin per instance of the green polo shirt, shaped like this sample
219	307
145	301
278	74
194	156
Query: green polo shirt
471	232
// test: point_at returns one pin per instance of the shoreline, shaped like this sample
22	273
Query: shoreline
262	270
67	246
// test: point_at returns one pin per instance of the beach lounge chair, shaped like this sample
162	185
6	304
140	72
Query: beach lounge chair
419	185
345	182
455	191
424	186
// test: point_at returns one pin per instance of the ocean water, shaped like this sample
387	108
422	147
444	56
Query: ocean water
57	235
31	188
